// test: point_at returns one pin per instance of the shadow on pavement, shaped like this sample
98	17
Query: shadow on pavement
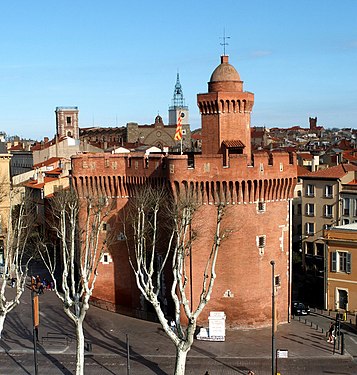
119	347
18	364
237	369
55	361
100	364
17	327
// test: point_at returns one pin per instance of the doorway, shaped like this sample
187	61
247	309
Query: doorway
342	299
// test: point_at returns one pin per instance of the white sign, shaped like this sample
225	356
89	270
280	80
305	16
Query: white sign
217	324
282	353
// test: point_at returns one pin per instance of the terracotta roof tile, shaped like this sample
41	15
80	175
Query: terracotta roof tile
47	162
302	171
337	171
305	155
233	144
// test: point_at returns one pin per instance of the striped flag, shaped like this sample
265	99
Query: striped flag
178	133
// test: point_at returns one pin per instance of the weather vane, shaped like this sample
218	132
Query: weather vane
224	44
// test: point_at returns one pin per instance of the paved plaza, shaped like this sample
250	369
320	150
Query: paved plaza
151	352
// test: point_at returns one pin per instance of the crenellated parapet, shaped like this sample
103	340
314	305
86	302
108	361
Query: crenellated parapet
209	104
270	177
116	175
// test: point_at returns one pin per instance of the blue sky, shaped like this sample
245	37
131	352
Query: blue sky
117	61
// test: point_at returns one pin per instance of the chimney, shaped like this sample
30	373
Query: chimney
40	178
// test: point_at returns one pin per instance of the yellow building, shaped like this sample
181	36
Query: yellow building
341	280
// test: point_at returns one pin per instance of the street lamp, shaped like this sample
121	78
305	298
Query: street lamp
273	364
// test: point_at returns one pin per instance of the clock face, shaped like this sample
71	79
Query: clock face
182	115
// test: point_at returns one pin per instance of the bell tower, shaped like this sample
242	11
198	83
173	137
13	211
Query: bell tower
178	105
225	113
67	122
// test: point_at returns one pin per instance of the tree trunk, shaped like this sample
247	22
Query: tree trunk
80	348
180	365
2	321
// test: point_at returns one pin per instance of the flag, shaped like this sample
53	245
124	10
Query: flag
178	133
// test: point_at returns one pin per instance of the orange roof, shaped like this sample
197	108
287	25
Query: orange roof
18	147
344	144
47	162
350	155
41	146
233	144
305	155
302	171
35	185
196	136
335	172
56	171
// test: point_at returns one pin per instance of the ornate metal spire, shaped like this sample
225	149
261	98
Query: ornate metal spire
178	100
224	44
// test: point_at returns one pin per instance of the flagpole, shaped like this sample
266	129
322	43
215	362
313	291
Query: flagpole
181	145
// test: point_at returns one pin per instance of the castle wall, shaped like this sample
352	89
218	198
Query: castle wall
243	284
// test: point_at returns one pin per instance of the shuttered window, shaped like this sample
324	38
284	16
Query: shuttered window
341	261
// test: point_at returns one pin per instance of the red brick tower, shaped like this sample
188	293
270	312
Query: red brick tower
225	111
67	122
256	190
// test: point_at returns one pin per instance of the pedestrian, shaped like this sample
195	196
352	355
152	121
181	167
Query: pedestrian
33	283
331	333
13	282
40	288
172	325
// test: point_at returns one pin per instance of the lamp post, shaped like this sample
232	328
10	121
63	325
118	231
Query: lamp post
35	323
273	360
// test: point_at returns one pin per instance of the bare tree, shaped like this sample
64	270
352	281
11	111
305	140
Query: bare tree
77	224
18	252
152	207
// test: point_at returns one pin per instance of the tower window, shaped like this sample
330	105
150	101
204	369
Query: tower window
261	206
69	120
277	280
261	241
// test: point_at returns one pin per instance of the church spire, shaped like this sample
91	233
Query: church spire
178	107
178	99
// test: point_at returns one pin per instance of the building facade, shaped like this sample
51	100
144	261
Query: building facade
341	280
256	189
322	209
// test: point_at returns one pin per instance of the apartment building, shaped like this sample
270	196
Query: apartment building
322	208
349	199
341	280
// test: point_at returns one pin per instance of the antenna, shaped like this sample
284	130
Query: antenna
224	44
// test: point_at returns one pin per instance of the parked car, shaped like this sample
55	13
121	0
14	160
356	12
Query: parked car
299	308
